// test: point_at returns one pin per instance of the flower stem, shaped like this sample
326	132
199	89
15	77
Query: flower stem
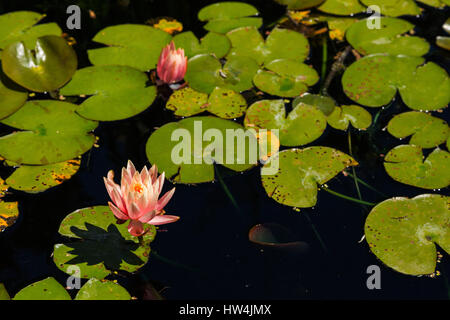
368	186
324	59
313	227
355	178
343	196
227	191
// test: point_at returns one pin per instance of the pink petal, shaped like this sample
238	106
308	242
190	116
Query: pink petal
148	216
130	168
164	200
135	228
163	219
117	213
135	212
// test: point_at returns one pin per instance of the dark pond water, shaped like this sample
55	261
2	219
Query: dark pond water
209	252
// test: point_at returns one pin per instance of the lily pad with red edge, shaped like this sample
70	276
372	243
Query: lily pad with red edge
300	172
99	245
276	237
45	66
403	233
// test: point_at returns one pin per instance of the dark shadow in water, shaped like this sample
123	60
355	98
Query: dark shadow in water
102	246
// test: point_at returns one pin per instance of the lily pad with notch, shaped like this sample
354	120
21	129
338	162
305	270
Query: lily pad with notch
212	43
403	233
301	171
99	245
342	116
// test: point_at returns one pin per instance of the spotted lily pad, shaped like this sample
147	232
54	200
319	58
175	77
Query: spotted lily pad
53	133
47	289
342	7
186	150
299	173
45	66
12	96
96	289
280	44
213	43
205	73
406	164
9	211
34	179
427	131
225	16
403	232
342	116
374	80
323	103
117	92
21	26
300	4
133	45
394	8
285	78
304	124
389	38
100	245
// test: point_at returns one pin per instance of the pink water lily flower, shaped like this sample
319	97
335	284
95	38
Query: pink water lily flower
172	64
136	199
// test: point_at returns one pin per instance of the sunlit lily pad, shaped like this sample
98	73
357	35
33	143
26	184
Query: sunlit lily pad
96	289
133	45
394	8
205	73
338	26
20	26
342	7
300	4
443	42
435	3
323	103
342	116
225	16
53	133
389	38
103	245
35	179
117	92
374	80
406	164
304	124
12	96
301	171
403	232
4	295
213	43
427	131
45	66
9	211
47	289
285	78
187	156
280	44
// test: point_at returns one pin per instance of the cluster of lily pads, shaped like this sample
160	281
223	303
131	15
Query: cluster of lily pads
53	109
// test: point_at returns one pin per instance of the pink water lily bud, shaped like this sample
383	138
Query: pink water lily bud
172	64
137	198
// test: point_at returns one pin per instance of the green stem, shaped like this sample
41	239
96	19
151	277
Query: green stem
368	186
355	178
227	191
343	196
313	227
324	60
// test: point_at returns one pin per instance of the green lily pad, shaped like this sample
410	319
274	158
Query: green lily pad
300	4
427	131
285	78
45	66
373	81
342	7
47	289
54	133
133	45
96	289
224	103
117	92
304	124
389	38
406	164
103	246
20	26
12	96
435	3
225	16
4	295
34	179
300	171
205	73
342	116
443	42
403	232
323	103
280	44
394	8
213	43
177	148
9	212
